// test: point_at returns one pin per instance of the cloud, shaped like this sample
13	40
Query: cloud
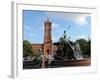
55	25
77	18
81	20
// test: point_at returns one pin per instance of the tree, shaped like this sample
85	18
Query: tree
85	46
27	49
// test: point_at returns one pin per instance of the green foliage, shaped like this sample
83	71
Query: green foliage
85	46
27	49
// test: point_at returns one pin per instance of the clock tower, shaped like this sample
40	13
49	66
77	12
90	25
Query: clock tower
47	38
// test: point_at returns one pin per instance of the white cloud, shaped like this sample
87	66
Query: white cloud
55	25
81	20
78	18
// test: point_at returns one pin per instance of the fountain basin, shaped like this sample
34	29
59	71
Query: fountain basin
69	63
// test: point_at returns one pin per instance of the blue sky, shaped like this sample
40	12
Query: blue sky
77	25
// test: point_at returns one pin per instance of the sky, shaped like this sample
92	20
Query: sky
76	25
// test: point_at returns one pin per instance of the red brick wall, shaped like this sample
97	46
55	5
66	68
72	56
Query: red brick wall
36	47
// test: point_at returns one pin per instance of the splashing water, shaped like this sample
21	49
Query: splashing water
76	50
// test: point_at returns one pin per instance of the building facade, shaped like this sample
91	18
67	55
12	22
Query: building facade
47	46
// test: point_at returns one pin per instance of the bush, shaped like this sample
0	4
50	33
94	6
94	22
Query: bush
27	49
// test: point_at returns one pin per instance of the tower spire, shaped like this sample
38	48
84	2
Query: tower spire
47	37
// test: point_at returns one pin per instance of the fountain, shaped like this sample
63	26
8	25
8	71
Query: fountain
68	54
76	51
66	48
